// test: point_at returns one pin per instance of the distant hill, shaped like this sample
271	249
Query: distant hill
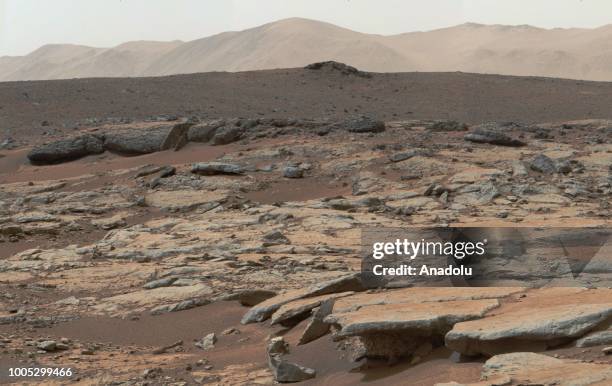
496	49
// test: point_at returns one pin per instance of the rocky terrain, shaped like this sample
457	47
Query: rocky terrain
226	250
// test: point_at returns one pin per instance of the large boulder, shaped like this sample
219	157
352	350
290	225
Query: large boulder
66	149
135	142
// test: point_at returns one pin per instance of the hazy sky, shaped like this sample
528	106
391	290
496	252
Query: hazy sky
27	24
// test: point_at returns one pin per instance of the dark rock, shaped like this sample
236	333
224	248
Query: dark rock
543	164
323	131
564	167
213	168
167	171
227	134
275	238
398	157
250	298
136	141
66	150
293	172
370	202
11	230
340	204
177	137
541	133
493	137
342	68
205	131
444	126
363	124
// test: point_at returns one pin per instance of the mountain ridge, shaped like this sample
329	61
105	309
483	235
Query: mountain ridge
523	50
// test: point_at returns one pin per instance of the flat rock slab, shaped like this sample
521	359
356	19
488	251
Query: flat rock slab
422	295
421	319
525	368
527	328
140	300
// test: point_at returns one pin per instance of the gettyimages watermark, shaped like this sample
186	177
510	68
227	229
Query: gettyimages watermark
486	257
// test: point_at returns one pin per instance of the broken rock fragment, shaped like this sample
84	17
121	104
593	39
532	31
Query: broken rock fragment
317	326
265	309
214	168
284	371
207	342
